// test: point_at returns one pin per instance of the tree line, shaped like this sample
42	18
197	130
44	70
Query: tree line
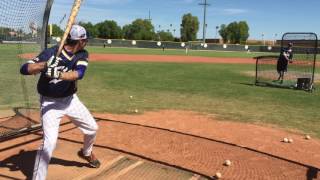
235	32
143	29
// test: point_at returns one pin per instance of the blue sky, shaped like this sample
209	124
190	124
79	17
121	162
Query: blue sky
269	17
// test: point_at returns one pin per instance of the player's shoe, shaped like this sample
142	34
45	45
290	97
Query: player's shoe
92	160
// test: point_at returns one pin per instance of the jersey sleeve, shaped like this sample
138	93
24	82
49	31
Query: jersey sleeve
42	57
82	63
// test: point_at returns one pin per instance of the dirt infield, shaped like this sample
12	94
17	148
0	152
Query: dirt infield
201	143
188	141
159	58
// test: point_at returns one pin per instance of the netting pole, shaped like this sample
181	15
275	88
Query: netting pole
314	59
257	59
45	25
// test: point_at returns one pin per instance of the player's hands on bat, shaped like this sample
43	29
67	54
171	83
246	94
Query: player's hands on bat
53	72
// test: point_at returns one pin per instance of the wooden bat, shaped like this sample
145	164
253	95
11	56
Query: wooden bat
72	17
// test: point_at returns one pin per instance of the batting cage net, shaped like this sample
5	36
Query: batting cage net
22	36
299	71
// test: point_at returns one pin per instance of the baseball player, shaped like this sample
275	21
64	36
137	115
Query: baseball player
286	56
57	87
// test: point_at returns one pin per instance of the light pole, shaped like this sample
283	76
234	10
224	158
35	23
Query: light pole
262	35
217	27
275	38
159	32
205	4
149	18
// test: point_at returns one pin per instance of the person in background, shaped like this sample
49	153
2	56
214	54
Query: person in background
285	57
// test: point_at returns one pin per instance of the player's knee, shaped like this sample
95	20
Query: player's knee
95	127
49	146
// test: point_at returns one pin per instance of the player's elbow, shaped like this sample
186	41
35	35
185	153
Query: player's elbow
80	71
80	74
24	69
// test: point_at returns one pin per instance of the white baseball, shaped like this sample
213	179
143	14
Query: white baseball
307	137
290	140
218	175
130	97
227	162
286	140
136	111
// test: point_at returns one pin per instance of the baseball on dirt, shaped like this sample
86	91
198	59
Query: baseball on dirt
218	175
286	140
290	140
136	111
227	162
307	137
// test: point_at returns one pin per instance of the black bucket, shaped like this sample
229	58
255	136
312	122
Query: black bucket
303	83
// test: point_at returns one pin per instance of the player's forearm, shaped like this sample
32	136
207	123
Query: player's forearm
69	76
36	67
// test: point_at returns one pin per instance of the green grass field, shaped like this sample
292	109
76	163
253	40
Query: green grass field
175	52
222	90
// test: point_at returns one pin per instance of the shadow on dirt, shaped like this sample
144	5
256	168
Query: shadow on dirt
312	173
24	162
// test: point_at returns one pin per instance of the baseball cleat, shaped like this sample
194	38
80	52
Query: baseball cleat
92	160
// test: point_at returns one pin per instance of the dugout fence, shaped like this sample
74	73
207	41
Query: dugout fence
300	73
23	29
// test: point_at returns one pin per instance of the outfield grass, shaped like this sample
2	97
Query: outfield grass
14	89
219	89
210	88
96	49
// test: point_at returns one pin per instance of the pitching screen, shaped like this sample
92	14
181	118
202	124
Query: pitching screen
299	71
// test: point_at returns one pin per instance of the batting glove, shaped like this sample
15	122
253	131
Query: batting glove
53	72
53	61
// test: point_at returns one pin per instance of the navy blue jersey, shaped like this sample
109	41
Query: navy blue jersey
285	54
70	62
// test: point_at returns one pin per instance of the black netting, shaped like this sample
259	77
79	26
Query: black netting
22	30
300	73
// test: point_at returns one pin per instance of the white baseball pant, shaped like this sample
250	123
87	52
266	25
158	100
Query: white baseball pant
52	111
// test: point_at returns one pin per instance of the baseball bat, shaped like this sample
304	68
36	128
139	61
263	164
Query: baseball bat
72	17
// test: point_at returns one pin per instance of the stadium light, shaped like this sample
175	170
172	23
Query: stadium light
205	4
